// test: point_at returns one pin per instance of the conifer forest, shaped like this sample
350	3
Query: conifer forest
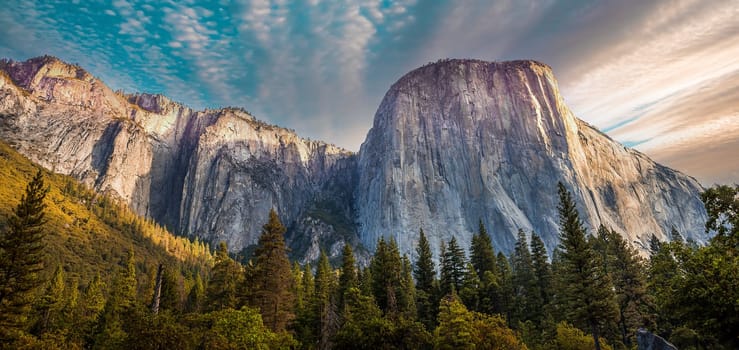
108	279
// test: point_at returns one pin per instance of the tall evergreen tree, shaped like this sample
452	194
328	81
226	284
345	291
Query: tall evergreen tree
524	295
93	298
482	255
452	267
221	292
542	274
172	291
407	298
471	289
386	271
272	277
21	258
324	302
588	295
120	307
196	296
348	278
504	304
626	271
51	302
424	273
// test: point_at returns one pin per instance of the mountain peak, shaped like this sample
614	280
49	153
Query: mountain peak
463	66
459	141
30	72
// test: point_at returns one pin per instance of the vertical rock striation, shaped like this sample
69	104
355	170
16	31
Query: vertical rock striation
460	141
452	143
213	173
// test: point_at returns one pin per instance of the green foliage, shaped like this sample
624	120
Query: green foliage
271	278
504	301
239	329
21	257
453	264
722	206
49	306
348	278
624	265
386	271
424	273
587	292
482	255
365	328
526	296
226	277
324	303
93	288
462	329
571	338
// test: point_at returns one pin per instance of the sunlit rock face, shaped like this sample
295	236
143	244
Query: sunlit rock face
213	174
461	141
453	143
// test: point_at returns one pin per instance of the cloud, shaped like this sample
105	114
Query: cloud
672	82
658	75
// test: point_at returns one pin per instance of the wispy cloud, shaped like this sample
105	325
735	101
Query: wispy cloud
659	75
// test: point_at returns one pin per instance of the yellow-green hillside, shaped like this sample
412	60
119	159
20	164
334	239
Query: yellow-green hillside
90	234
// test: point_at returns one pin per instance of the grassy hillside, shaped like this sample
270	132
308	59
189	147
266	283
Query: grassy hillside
89	234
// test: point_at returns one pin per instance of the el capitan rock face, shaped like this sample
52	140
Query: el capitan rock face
460	141
452	143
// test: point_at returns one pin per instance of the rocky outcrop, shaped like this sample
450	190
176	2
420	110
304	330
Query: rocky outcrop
213	173
648	341
460	141
452	143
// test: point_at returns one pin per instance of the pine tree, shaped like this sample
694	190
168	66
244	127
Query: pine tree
542	276
172	291
407	291
120	306
452	267
50	305
272	277
626	271
456	325
348	277
21	258
424	273
524	296
93	299
470	291
386	271
221	292
196	296
588	295
482	255
324	303
504	304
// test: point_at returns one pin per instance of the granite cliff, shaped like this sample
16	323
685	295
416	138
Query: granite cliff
212	173
461	141
452	143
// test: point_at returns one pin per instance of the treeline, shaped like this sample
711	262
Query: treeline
593	291
120	217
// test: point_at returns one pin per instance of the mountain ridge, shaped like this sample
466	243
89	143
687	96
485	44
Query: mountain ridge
462	141
211	173
141	146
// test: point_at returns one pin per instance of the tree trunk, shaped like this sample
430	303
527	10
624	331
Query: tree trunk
157	291
594	331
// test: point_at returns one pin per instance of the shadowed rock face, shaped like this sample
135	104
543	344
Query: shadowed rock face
213	174
452	143
460	141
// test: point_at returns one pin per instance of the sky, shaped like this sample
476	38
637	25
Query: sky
659	76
